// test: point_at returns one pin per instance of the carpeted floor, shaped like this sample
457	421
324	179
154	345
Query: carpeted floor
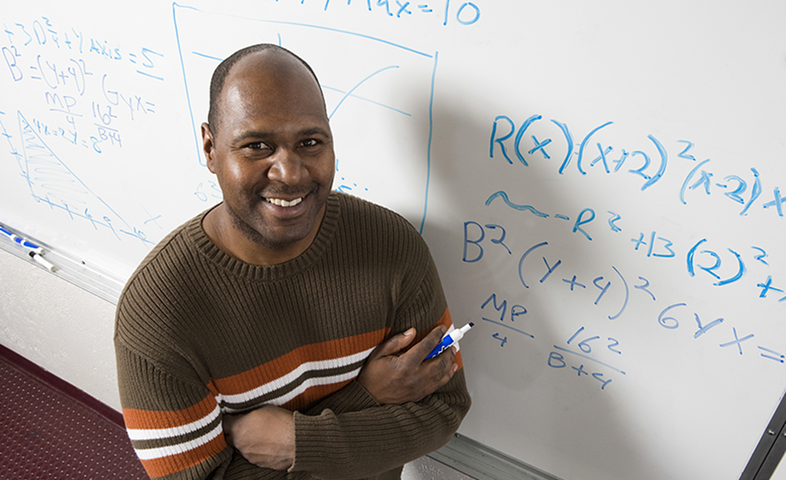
51	430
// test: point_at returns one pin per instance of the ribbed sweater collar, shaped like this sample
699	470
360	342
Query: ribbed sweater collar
196	237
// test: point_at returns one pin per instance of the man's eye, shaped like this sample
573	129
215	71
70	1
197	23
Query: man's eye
258	148
311	142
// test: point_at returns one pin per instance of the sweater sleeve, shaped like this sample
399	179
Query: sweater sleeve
174	425
171	414
349	435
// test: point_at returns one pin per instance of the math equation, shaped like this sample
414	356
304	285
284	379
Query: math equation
606	290
445	12
66	67
81	93
647	163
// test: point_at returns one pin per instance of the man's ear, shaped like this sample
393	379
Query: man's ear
207	147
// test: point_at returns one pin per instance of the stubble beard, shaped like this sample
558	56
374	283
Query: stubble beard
255	236
252	234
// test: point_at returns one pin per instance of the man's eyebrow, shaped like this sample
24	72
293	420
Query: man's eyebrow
315	131
242	136
258	134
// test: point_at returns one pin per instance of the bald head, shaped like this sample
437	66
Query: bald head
266	56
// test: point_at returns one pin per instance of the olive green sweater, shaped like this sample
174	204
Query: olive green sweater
200	334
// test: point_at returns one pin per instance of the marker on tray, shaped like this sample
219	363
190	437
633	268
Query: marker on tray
449	340
38	258
35	252
19	240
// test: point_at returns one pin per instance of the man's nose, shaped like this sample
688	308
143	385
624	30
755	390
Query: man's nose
286	167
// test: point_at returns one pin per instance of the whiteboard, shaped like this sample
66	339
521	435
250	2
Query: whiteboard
601	184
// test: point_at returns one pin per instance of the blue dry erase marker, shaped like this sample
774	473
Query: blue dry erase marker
19	240
449	339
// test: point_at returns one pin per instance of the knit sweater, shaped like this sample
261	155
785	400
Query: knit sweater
200	334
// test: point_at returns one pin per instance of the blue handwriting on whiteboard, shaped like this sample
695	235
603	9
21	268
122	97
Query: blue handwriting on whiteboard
212	191
54	184
63	64
518	143
529	264
667	320
699	259
461	12
506	314
43	33
734	187
536	267
481	236
515	312
515	206
585	348
503	129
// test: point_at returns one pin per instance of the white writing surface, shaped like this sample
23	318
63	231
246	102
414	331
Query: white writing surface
601	184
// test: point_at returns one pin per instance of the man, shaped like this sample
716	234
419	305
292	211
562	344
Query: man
274	336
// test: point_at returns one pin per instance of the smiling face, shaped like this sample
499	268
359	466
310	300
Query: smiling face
273	157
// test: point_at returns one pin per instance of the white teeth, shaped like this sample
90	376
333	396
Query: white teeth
284	203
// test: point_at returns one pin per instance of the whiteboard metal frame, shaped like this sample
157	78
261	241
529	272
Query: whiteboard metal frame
771	447
71	269
484	463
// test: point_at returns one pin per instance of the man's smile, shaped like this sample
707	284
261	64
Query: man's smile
284	203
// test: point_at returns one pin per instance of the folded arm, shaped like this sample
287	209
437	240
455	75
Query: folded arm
399	405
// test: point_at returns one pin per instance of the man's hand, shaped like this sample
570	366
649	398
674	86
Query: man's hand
396	379
265	437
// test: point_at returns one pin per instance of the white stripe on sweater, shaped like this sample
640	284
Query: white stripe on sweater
157	433
137	434
292	376
160	452
302	388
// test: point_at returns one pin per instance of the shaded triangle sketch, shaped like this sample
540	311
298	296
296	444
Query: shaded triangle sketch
52	183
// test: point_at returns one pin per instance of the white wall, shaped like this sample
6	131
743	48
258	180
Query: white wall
58	326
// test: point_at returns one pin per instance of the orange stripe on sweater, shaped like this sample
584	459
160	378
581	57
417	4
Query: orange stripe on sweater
313	394
146	419
160	467
250	379
143	419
